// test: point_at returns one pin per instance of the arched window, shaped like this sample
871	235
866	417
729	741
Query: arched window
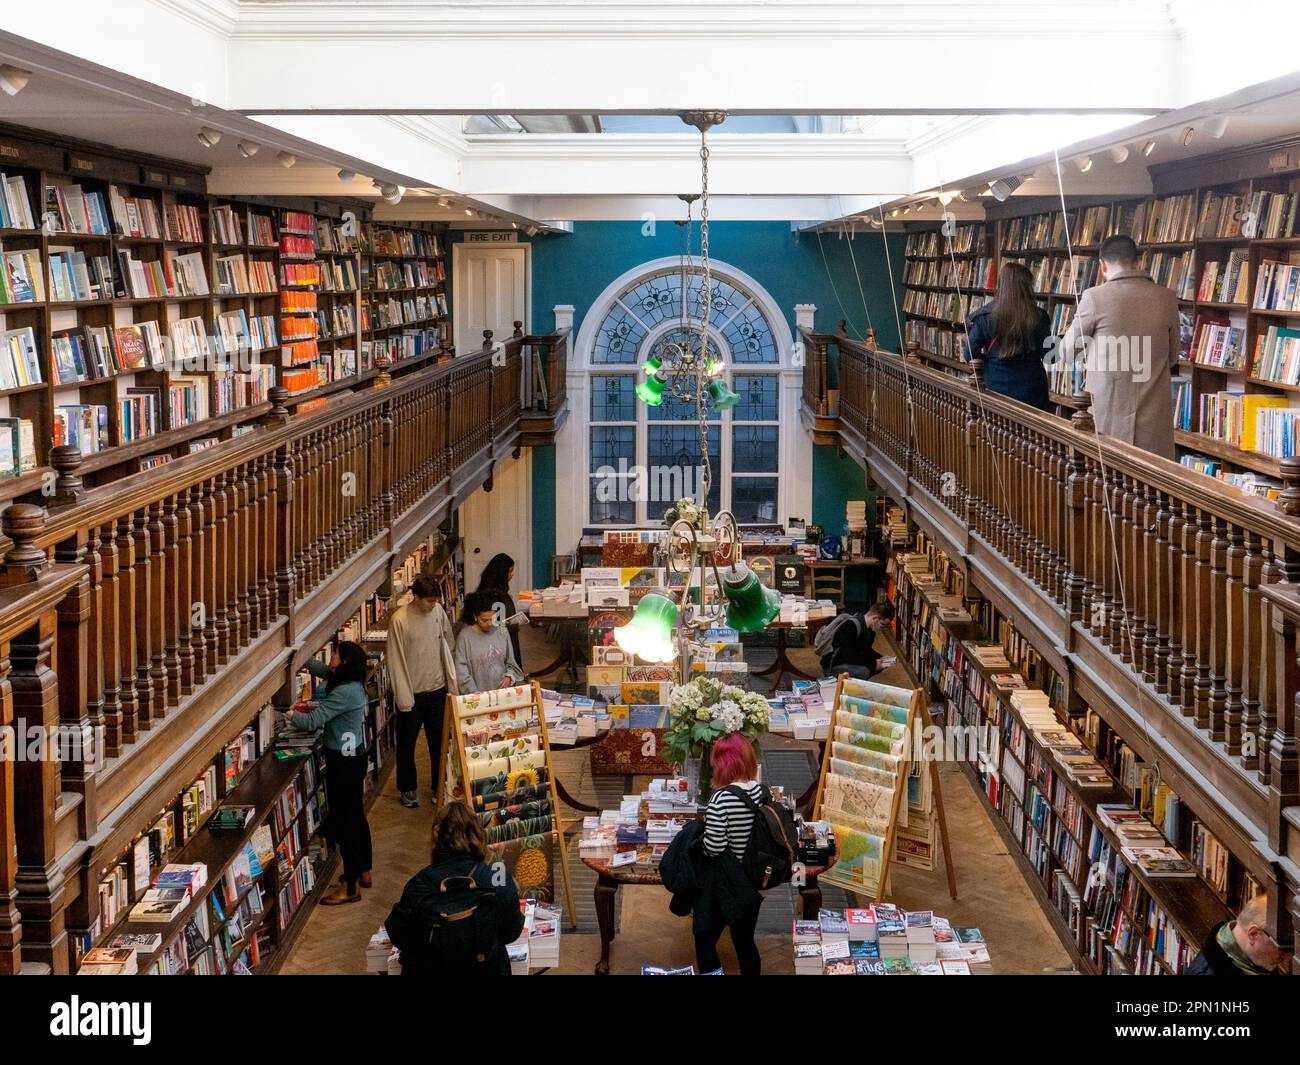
641	458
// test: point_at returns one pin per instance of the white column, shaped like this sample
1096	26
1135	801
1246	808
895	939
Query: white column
564	318
803	315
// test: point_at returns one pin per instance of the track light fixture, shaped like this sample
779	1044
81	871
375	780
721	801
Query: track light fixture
443	201
286	159
1084	163
248	149
531	231
1148	147
392	194
209	137
1002	188
895	213
1186	135
1216	127
13	80
469	213
514	225
1118	154
946	198
346	175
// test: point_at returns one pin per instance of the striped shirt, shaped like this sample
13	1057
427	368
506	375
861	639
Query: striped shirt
728	822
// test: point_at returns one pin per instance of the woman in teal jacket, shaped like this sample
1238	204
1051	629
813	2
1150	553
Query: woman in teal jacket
341	712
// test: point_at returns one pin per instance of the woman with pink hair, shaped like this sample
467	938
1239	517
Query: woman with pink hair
728	822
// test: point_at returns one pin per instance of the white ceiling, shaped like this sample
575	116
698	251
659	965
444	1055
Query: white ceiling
836	105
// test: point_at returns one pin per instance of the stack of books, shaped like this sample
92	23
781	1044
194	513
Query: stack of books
891	931
920	937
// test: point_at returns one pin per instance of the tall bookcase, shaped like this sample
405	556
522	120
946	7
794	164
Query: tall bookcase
1222	232
404	308
1112	916
130	259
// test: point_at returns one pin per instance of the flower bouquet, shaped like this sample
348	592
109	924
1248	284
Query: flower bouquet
702	711
687	510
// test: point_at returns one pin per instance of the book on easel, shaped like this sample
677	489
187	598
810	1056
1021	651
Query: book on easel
863	783
498	759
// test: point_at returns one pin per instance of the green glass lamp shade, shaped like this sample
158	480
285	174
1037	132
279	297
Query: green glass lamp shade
652	366
649	635
750	606
721	395
651	391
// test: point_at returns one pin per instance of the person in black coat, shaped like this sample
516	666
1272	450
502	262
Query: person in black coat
1011	334
1240	948
853	648
456	879
495	582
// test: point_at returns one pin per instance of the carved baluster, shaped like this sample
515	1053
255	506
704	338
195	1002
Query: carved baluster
286	580
1191	604
144	689
1178	602
77	750
1236	638
1204	617
156	547
234	564
172	624
1218	620
184	581
265	552
1149	564
200	591
126	604
212	606
245	551
111	635
1162	565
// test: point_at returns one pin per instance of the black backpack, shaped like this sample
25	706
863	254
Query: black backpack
460	926
771	852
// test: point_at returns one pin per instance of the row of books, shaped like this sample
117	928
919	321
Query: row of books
393	312
240	276
952	273
949	306
1276	286
1224	282
17	447
20	364
1217	342
1035	232
412	274
406	242
1174	270
15	204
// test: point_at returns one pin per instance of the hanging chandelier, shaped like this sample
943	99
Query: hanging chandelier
701	548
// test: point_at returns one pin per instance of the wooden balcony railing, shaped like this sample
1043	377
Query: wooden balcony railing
151	616
819	399
1168	601
546	404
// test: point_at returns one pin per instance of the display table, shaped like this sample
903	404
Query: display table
572	631
609	880
783	667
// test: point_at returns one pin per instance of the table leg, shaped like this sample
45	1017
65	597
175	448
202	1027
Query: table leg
604	894
810	893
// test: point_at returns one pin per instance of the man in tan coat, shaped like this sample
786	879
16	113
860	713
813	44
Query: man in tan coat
1128	331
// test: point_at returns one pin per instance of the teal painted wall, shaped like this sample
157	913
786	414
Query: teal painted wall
845	278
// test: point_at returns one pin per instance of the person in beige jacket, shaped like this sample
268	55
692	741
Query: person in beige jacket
1128	331
421	670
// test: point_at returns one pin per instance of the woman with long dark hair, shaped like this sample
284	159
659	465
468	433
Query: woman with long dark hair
1010	334
495	581
341	713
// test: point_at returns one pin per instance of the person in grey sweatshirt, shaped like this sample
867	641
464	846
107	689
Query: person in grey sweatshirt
485	658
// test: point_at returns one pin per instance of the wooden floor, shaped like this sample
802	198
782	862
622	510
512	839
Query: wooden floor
992	893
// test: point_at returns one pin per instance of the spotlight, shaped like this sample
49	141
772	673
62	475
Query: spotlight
1084	163
346	175
469	213
248	149
392	194
286	159
531	231
1004	187
946	198
1148	147
209	137
13	80
1216	127
1185	135
969	195
1118	154
514	225
895	213
443	201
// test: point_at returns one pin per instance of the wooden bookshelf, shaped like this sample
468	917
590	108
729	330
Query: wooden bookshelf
277	304
1012	764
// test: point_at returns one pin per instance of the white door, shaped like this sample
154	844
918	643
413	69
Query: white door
490	288
501	521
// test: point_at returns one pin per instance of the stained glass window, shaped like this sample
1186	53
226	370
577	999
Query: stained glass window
643	458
